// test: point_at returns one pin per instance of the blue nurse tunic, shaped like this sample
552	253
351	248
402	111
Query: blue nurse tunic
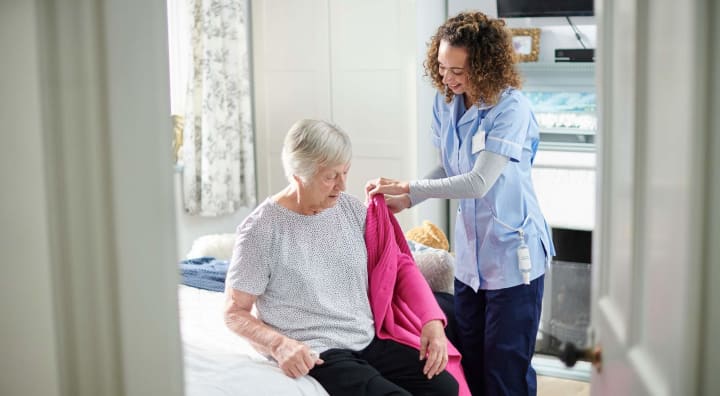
489	230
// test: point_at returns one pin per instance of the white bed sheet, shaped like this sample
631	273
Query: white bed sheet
219	362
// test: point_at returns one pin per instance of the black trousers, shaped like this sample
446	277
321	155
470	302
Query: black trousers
497	330
385	367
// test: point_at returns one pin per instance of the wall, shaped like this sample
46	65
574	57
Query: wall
191	227
352	63
430	15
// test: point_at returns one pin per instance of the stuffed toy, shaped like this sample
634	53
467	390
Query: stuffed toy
430	235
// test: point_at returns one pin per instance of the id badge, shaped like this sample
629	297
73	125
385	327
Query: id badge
478	141
524	264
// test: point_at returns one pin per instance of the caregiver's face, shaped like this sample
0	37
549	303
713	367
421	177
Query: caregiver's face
453	67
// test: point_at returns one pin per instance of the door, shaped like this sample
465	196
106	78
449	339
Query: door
647	309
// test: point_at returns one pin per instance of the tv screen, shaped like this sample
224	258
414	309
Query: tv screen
544	8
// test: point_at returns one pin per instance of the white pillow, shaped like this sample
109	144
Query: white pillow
219	246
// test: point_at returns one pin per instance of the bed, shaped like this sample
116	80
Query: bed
219	362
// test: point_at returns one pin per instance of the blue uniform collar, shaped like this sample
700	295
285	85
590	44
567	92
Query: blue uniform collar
463	116
485	106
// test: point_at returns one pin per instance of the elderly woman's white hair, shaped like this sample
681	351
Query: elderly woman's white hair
310	144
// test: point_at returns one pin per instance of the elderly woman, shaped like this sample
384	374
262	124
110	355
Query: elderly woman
300	256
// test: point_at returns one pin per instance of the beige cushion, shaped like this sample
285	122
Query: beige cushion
438	268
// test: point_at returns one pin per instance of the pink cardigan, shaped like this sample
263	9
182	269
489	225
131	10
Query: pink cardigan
400	297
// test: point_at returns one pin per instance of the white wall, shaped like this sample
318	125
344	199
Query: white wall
430	15
190	227
352	63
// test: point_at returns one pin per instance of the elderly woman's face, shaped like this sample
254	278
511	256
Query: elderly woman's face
324	188
453	67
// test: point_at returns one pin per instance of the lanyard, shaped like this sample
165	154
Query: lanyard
523	252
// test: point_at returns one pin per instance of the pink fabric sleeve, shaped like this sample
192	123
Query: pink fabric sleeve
411	285
412	288
400	298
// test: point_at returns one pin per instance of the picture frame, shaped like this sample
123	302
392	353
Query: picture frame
526	42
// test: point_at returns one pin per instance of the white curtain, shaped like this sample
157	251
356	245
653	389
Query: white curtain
219	170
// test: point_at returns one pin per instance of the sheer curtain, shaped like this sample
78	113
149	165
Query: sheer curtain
217	153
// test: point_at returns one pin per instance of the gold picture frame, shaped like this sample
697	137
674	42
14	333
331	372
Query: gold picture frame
526	42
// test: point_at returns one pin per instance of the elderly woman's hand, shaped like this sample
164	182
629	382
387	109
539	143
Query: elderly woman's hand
433	347
386	186
295	358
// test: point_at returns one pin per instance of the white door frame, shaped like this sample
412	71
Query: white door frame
709	381
104	107
651	253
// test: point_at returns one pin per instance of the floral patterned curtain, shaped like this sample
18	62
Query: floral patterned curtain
219	170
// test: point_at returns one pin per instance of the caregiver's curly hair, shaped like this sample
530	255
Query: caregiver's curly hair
491	56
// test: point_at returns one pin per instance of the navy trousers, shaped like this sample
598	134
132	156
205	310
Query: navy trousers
497	331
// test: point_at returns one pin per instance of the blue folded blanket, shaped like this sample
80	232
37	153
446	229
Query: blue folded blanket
204	273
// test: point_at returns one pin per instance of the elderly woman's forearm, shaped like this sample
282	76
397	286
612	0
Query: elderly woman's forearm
262	337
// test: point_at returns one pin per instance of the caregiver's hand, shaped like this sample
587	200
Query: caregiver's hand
433	347
386	186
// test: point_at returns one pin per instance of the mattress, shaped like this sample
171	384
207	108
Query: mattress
219	362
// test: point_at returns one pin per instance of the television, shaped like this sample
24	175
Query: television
544	8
